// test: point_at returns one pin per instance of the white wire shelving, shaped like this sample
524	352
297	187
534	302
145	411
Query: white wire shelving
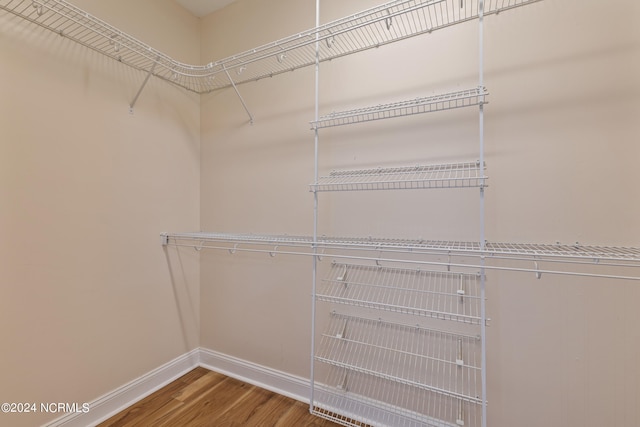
421	105
529	256
451	175
437	294
374	27
417	375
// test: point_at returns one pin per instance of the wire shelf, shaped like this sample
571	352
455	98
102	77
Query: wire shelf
75	24
438	294
387	23
430	104
533	251
453	175
429	376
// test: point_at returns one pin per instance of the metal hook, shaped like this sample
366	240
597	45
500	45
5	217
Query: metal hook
273	253
461	292
538	273
388	21
330	41
342	277
38	7
199	247
234	249
460	358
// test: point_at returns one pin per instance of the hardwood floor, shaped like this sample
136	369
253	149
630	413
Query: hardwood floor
204	398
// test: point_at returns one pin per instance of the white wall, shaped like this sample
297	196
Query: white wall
87	300
561	135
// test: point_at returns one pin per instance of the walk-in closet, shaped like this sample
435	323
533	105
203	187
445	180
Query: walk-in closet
405	213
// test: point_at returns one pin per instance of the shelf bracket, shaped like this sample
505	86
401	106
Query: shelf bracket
233	84
144	83
460	418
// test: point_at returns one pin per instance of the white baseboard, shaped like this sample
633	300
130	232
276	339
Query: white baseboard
121	398
292	386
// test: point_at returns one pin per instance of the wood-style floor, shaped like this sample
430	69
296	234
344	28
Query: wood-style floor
204	398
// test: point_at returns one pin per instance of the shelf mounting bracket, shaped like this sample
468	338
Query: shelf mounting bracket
238	93
144	83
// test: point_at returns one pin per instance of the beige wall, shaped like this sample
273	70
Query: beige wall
561	145
87	301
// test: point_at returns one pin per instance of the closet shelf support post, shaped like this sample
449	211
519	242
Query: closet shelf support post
144	83
238	93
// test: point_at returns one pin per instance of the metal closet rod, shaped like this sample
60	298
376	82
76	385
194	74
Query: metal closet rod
535	270
392	21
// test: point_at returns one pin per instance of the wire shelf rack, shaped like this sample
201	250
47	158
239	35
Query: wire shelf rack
438	294
387	23
430	104
426	376
492	249
452	175
587	261
75	24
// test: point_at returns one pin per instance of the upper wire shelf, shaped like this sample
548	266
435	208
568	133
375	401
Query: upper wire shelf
374	27
452	175
429	104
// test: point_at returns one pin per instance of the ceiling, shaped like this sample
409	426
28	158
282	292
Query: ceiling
201	8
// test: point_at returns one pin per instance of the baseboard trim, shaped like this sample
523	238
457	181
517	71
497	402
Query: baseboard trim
292	386
119	399
105	407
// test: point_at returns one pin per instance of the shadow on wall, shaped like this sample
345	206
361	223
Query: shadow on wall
184	286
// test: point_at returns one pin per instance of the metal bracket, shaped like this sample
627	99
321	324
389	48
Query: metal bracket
238	93
144	83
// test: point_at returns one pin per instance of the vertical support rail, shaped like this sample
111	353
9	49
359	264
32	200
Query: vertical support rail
483	312
238	93
315	212
144	83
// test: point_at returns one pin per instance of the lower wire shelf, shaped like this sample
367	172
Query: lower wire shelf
350	409
438	294
394	374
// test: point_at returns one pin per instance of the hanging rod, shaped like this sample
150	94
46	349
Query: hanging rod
374	27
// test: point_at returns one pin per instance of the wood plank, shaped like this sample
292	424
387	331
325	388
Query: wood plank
259	408
202	398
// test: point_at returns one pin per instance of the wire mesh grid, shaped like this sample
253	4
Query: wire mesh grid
389	22
453	175
430	104
566	251
531	251
439	294
379	372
